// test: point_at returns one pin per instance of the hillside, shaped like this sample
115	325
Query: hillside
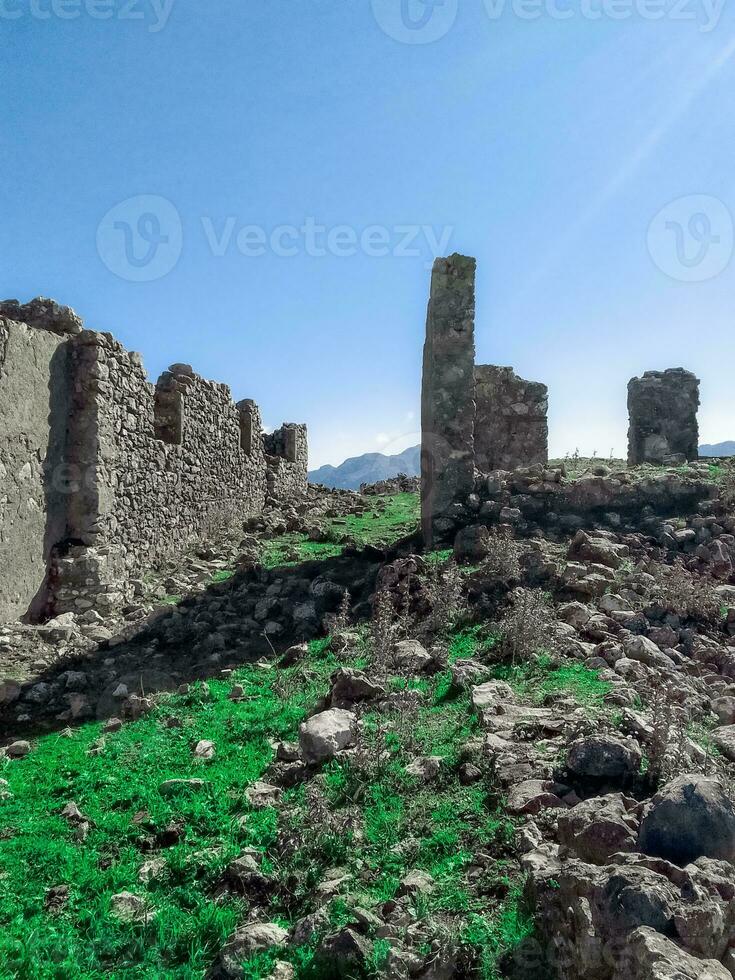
325	754
369	468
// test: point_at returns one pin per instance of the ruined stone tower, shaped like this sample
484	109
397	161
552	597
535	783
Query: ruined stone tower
447	394
473	417
662	406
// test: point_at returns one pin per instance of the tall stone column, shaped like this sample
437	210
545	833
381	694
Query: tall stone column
447	394
662	406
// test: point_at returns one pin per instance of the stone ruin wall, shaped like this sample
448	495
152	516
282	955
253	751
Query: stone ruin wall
32	440
120	474
287	461
511	427
662	406
473	417
447	395
485	418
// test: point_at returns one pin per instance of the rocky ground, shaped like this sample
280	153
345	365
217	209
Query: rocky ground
513	757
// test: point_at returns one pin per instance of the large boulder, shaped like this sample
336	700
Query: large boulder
647	955
604	757
350	685
599	827
599	550
472	544
326	734
724	739
255	937
691	817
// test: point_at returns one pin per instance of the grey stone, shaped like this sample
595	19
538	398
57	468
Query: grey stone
604	757
689	818
326	733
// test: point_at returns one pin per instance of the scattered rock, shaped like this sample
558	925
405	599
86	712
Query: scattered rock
650	956
410	656
604	757
599	827
261	795
128	907
205	749
350	686
326	734
255	937
691	817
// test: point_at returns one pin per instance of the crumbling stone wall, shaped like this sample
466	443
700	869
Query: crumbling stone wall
662	406
136	473
511	428
447	395
472	417
34	403
287	461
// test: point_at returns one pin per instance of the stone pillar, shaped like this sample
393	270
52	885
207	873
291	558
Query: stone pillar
447	394
662	406
511	428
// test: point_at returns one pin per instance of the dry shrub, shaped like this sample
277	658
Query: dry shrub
382	633
504	555
443	588
666	752
339	622
528	626
679	592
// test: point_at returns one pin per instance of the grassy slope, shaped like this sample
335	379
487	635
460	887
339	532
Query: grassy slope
445	822
374	820
389	519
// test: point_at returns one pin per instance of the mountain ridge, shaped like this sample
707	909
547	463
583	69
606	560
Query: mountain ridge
368	468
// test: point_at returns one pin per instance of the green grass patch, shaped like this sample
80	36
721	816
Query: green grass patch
471	641
39	850
378	823
540	677
388	519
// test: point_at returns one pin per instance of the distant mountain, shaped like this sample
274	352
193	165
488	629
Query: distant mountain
718	449
372	467
368	469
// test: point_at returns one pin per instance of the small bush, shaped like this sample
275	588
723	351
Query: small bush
527	628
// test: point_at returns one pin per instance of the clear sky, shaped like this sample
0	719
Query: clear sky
258	187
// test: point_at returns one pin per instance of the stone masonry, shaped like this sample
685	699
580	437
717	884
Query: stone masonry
103	474
511	428
447	396
472	417
662	406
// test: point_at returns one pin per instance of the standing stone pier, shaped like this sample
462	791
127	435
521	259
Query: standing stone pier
447	395
662	406
511	428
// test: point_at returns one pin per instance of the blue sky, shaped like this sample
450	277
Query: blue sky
235	184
